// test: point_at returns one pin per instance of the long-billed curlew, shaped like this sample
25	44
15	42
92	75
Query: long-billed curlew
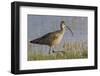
53	38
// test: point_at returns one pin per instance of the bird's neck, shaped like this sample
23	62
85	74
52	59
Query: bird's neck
62	30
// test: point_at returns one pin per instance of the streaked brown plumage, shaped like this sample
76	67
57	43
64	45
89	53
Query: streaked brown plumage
53	38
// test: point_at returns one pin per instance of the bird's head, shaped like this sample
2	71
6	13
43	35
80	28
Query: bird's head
64	26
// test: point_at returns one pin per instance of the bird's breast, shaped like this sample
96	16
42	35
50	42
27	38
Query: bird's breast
57	40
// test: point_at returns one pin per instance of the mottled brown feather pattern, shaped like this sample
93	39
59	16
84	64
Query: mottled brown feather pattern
48	39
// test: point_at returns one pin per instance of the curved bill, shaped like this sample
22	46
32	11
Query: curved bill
70	30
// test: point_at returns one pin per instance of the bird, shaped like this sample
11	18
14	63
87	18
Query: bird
53	38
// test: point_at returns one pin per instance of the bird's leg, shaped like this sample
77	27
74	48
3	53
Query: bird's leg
50	50
53	50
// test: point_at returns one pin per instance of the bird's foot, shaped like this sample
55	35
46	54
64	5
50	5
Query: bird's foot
53	51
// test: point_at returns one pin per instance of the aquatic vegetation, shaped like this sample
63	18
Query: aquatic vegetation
70	50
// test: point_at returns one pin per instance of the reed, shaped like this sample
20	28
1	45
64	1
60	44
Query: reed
70	50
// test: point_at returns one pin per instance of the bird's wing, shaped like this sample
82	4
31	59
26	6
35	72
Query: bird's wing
46	39
51	35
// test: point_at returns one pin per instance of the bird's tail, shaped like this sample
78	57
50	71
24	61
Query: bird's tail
36	41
